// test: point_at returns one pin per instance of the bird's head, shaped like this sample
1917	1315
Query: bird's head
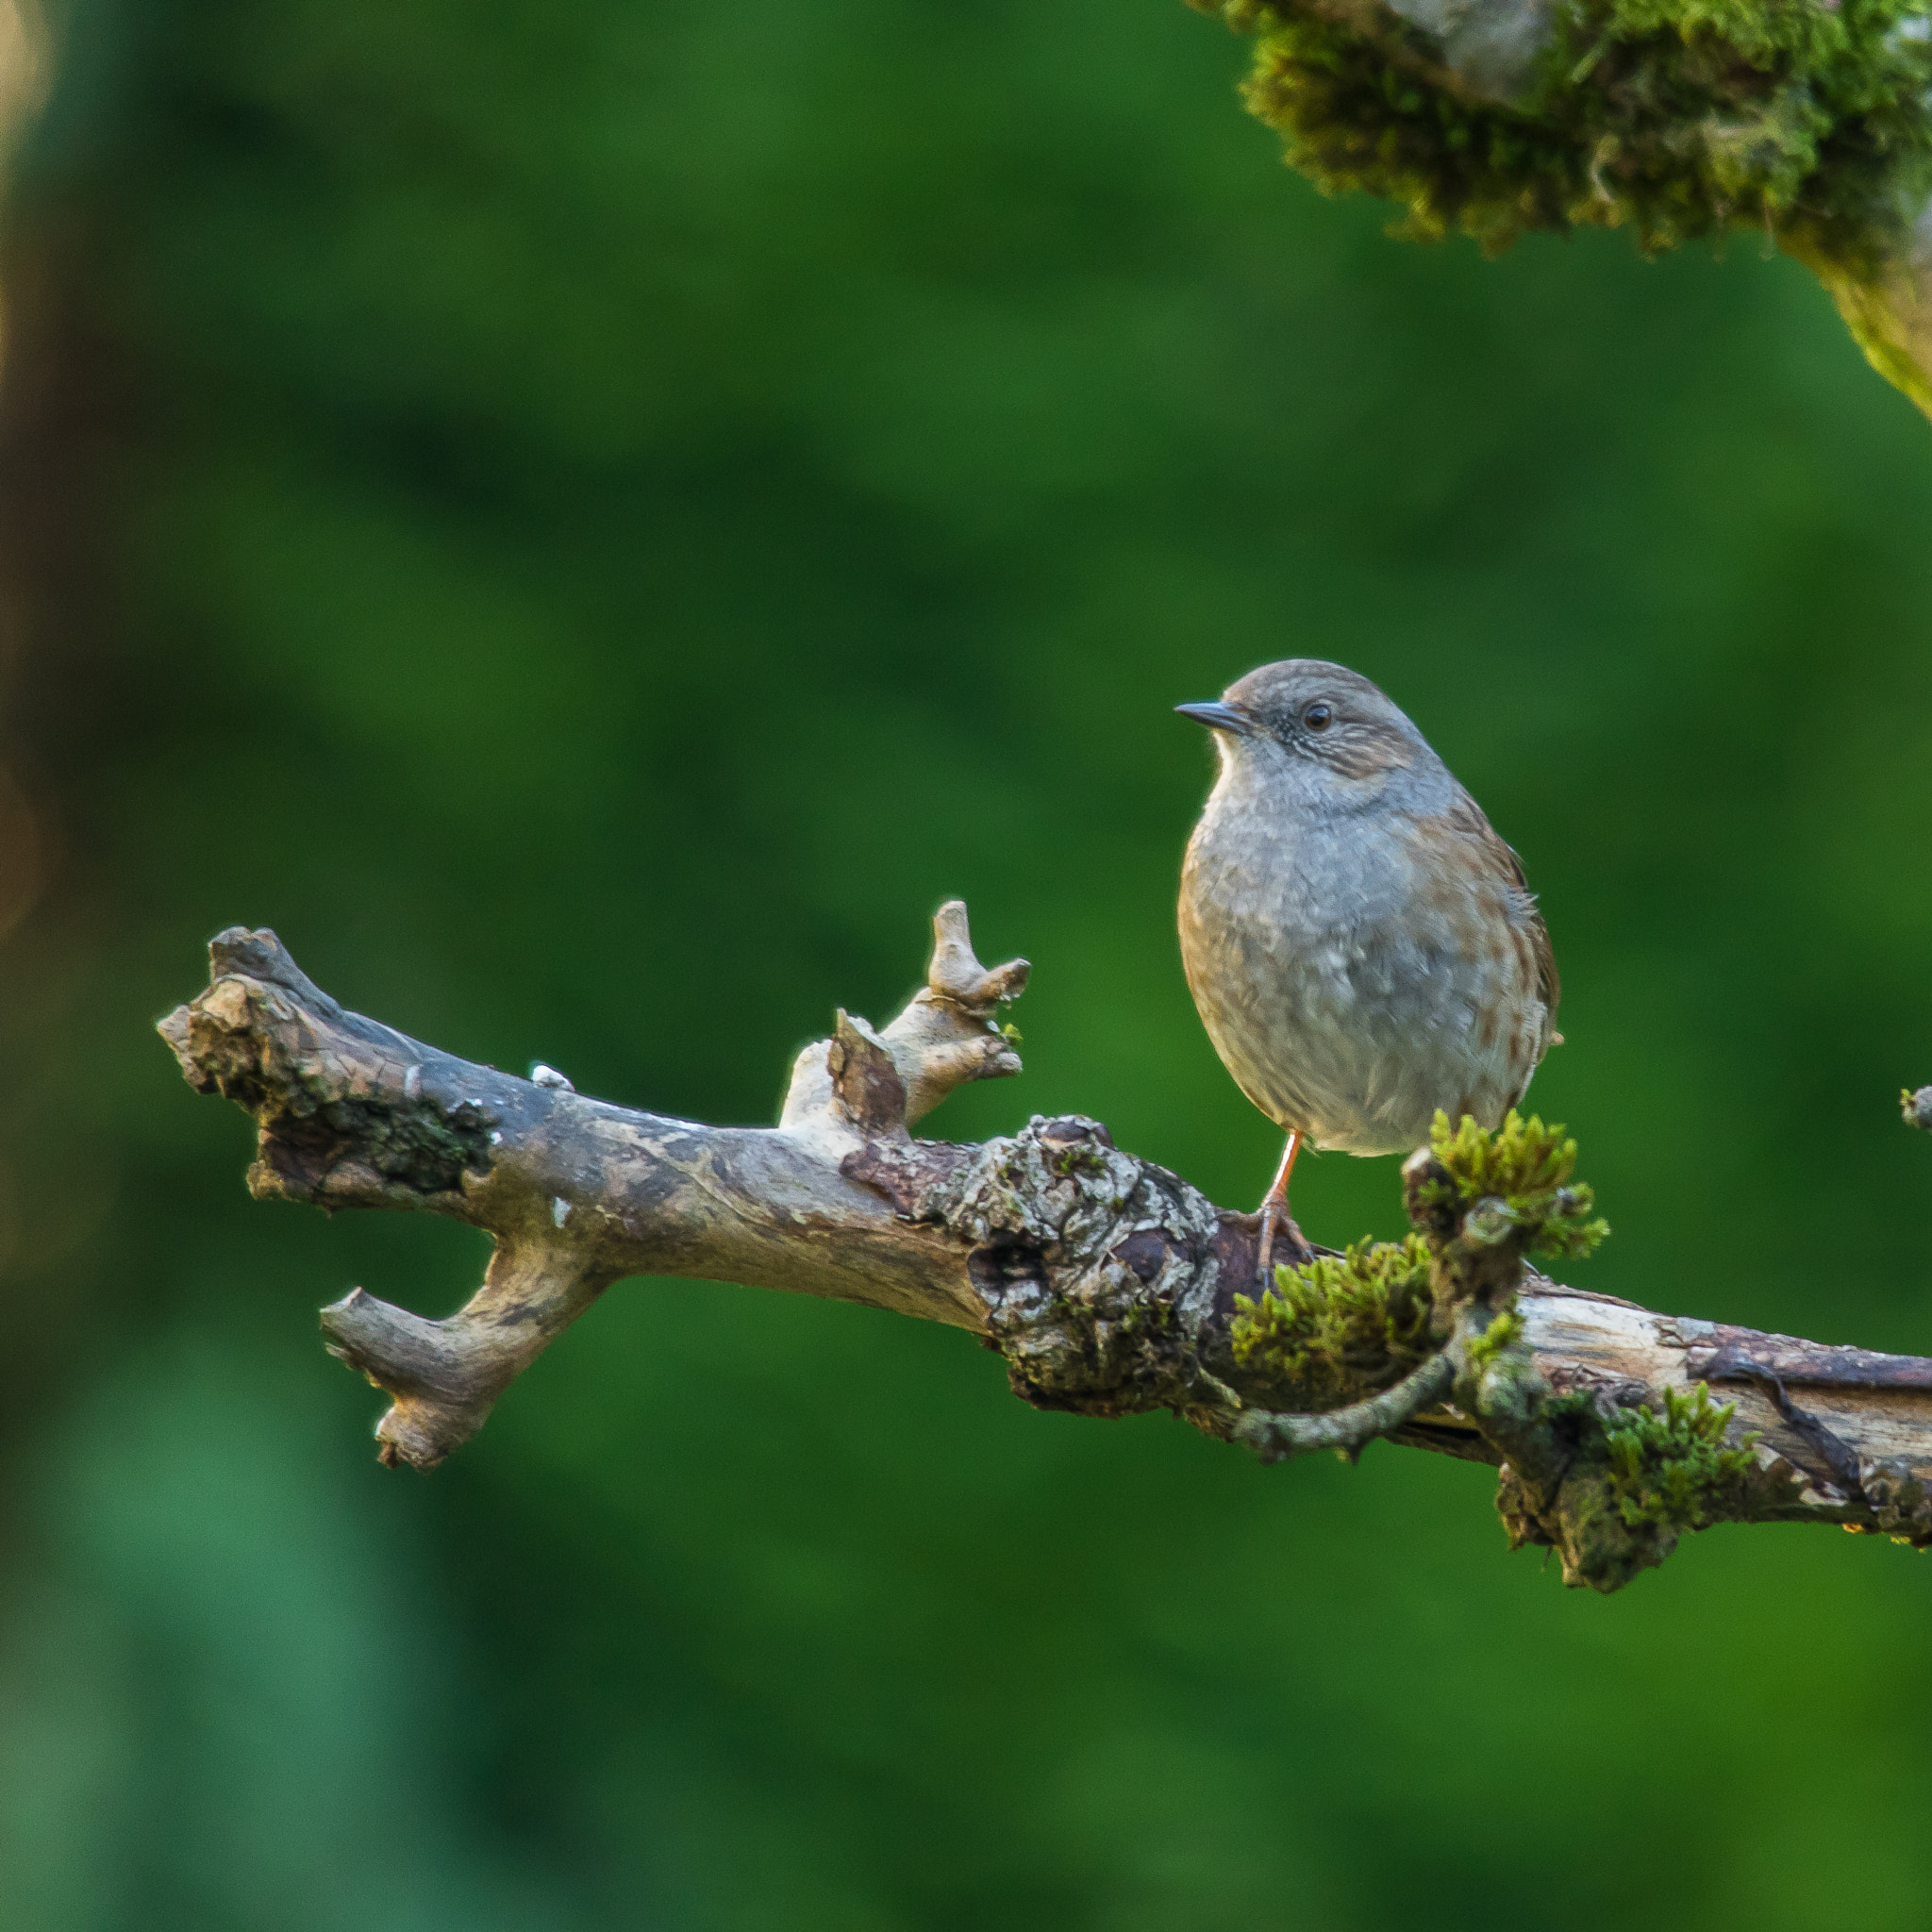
1313	726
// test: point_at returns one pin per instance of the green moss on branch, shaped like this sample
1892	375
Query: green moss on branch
1671	1467
1484	1201
1676	119
1342	1326
1627	1483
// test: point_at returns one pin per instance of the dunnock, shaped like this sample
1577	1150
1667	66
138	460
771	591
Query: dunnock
1360	944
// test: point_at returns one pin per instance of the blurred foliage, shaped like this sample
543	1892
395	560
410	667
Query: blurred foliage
592	521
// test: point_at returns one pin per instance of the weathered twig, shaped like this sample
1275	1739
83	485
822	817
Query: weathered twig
1349	1430
1106	1282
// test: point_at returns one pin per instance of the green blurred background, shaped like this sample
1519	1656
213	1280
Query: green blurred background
592	521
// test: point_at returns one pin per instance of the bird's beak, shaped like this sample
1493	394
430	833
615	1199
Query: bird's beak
1219	717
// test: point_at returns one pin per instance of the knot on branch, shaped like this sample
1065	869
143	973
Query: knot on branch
954	977
1096	1269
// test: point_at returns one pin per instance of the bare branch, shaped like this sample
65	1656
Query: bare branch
1106	1283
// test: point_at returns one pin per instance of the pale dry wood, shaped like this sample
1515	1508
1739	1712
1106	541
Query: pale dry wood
1106	1282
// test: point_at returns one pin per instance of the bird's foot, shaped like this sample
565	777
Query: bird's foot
1282	1240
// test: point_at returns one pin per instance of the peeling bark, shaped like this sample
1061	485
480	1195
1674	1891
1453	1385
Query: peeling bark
1106	1282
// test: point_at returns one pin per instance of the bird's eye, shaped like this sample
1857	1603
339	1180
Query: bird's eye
1318	717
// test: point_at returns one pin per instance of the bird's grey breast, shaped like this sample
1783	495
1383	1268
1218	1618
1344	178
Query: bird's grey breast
1345	963
1285	917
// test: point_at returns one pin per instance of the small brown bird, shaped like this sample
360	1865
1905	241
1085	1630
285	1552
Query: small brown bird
1361	945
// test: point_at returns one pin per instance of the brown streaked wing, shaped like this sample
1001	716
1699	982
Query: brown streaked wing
1467	817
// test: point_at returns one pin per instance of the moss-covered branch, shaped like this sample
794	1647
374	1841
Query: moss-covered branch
1108	1283
1808	121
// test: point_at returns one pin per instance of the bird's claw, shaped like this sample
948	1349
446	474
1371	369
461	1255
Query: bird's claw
1282	1241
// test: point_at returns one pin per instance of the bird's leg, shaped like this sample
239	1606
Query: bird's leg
1274	1215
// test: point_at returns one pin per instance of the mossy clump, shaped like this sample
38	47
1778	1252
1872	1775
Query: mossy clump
1671	1470
1341	1326
1511	1186
1678	119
